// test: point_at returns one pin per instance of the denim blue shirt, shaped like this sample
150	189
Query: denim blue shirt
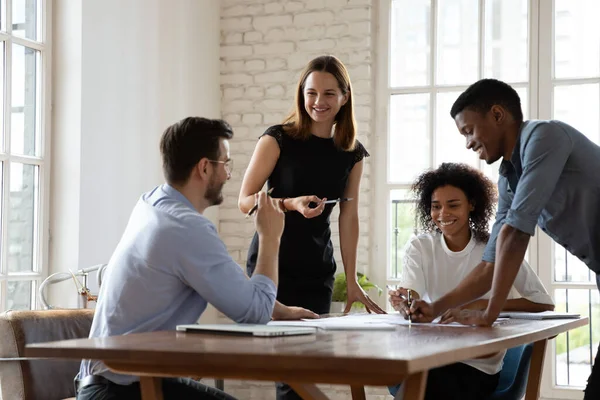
553	180
169	264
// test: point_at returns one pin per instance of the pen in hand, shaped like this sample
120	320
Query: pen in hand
409	302
255	207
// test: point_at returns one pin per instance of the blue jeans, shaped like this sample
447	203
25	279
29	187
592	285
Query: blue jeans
173	389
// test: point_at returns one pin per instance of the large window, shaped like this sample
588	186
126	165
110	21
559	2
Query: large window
22	151
549	51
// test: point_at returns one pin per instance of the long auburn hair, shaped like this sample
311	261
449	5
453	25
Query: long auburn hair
298	123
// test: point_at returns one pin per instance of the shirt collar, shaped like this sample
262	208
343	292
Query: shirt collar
514	165
172	192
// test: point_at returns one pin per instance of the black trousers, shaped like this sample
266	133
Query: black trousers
315	297
173	389
457	382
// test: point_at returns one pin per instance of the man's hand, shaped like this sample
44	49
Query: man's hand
467	317
292	313
356	293
269	217
422	311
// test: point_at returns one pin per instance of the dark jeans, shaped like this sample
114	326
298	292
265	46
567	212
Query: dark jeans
173	389
457	382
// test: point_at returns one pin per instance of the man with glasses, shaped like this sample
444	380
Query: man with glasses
170	262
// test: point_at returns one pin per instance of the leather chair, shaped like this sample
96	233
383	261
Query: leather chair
24	378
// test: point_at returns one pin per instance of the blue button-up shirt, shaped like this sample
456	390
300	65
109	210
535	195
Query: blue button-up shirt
169	264
552	180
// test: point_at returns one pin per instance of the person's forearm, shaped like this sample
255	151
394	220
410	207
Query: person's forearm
245	204
267	262
278	310
349	228
520	304
510	251
475	285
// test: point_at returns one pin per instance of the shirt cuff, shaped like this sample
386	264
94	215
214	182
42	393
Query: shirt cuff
520	221
265	282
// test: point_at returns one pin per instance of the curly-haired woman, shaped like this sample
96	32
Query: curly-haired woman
455	202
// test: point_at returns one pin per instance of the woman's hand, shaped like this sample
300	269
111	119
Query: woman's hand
302	205
356	293
399	300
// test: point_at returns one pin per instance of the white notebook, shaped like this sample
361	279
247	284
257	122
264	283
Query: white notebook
538	315
248	329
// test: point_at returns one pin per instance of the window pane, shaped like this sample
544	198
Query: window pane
23	204
506	38
458	42
568	268
578	106
410	43
409	152
402	213
18	295
574	353
576	39
24	104
450	144
24	18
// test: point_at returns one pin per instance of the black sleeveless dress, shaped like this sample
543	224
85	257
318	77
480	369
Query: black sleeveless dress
306	260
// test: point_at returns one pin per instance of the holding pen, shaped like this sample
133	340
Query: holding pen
397	297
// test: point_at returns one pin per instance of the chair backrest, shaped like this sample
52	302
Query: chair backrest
513	377
24	378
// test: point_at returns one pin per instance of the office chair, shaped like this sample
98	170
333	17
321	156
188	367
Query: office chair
513	377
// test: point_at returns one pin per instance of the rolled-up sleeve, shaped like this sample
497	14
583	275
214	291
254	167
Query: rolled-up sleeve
489	254
207	267
544	155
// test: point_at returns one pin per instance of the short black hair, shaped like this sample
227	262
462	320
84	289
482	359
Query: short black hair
484	94
479	190
186	142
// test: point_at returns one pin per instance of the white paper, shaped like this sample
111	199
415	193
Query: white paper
362	322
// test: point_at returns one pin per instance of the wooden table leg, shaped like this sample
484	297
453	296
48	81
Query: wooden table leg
308	392
414	387
535	370
151	388
358	392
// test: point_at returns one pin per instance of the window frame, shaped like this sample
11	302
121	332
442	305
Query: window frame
41	160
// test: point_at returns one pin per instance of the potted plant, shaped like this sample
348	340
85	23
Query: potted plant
340	295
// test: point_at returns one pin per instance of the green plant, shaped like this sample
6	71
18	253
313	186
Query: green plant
340	289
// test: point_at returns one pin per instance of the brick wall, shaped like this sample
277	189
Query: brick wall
264	46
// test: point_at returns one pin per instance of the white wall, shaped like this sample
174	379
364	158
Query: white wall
123	72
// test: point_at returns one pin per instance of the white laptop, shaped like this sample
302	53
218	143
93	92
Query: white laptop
248	329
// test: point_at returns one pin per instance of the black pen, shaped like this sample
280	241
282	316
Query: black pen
409	301
255	207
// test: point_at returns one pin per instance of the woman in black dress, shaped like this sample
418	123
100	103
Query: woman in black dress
313	156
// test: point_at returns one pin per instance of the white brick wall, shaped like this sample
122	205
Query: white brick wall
264	46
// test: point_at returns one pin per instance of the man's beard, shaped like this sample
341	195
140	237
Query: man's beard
214	192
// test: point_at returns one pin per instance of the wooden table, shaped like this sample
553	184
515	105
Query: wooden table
354	358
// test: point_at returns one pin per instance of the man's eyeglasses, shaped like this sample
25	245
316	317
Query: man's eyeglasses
227	164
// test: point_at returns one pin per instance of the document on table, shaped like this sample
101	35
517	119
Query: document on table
360	322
